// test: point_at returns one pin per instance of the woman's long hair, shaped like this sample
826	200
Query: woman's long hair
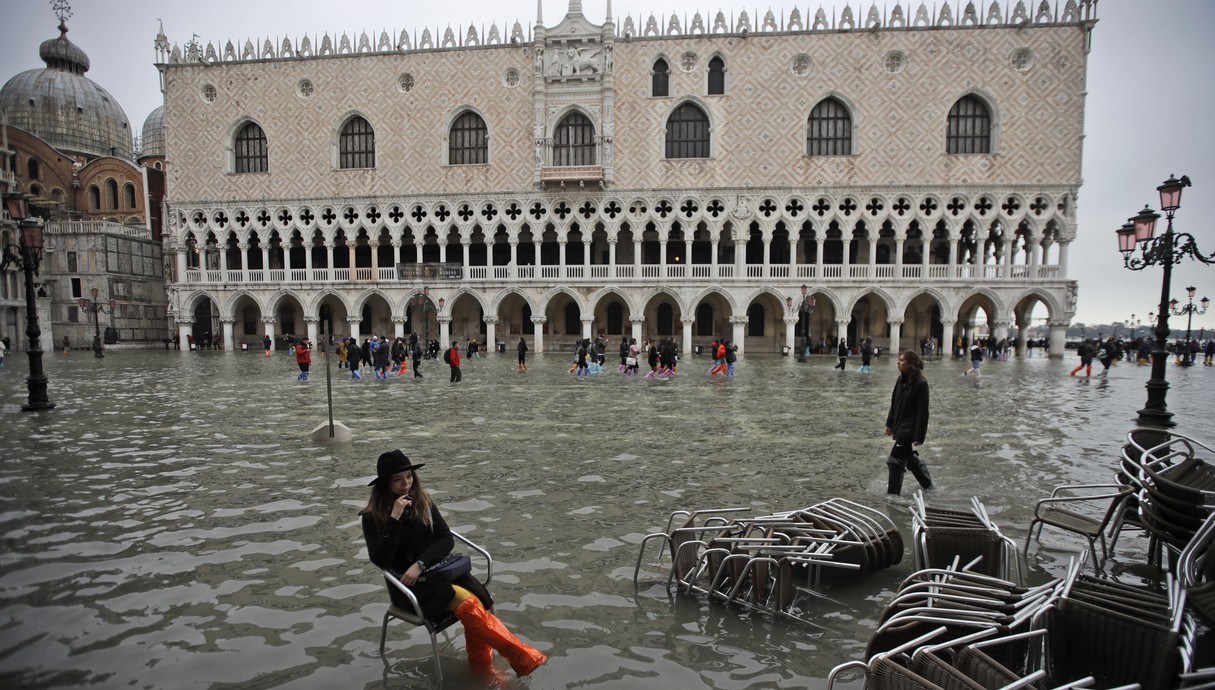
379	504
917	365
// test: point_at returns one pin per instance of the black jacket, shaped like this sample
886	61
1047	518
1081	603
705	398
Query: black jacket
401	543
908	416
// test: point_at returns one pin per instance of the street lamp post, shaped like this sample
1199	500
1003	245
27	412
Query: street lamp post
1189	310
92	305
1139	250
804	309
28	255
422	301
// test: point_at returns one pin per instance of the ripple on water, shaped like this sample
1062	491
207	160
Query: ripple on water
187	527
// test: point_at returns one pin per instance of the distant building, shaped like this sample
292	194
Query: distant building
898	175
68	146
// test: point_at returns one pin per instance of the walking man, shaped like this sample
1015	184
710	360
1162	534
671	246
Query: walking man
907	423
452	357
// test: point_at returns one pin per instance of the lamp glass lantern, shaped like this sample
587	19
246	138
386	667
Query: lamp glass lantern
1145	224
1170	194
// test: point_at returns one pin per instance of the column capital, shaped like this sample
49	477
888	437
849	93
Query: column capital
1058	324
1000	323
687	320
895	322
312	319
538	320
443	319
636	319
587	320
490	319
229	322
948	322
739	319
397	318
269	319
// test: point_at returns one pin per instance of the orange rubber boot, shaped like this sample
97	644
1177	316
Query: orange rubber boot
487	629
481	660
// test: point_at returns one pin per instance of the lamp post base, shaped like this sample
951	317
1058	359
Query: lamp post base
1156	419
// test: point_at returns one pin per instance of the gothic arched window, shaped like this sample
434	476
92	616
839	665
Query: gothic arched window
356	145
660	79
969	128
688	133
468	141
250	150
829	132
717	76
574	141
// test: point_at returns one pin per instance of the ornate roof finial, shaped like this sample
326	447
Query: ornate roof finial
539	11
62	10
575	6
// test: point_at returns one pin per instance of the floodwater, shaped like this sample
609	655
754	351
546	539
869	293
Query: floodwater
171	525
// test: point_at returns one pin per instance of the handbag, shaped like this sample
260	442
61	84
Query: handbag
452	567
630	361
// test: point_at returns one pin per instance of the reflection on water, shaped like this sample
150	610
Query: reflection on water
170	524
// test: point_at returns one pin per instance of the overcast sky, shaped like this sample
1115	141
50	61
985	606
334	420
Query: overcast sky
1151	95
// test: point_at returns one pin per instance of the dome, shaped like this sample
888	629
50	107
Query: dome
63	107
153	138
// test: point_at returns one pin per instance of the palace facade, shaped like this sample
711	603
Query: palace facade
892	174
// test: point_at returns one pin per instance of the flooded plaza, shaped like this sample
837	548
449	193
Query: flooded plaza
170	524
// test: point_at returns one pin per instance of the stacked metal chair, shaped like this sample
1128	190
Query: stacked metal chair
1174	488
768	562
939	535
1118	633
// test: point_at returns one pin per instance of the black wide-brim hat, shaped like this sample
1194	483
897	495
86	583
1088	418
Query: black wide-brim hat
390	463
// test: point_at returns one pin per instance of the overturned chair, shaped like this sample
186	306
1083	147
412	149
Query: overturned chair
767	562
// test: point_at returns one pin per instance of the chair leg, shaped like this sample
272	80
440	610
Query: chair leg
383	633
434	647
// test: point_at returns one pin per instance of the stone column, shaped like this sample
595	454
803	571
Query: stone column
266	261
637	252
586	326
491	338
223	261
513	269
947	336
307	260
819	241
375	260
538	332
444	331
1022	336
899	241
611	255
184	331
790	331
398	326
182	264
714	241
1058	339
562	246
312	325
350	254
873	242
635	323
841	330
1063	258
738	332
896	332
465	242
686	334
999	330
229	333
268	328
353	325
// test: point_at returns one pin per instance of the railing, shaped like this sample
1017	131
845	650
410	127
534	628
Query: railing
645	272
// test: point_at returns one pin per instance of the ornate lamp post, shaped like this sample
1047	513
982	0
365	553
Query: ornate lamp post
92	305
1189	310
422	301
28	255
804	309
1140	250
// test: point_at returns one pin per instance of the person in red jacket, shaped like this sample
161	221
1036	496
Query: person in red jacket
303	357
452	357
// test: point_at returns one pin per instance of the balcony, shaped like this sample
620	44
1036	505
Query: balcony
625	274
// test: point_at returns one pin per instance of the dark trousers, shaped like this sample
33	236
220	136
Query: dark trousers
902	458
455	374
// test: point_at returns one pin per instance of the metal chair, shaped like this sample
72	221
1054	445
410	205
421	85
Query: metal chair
1070	508
411	612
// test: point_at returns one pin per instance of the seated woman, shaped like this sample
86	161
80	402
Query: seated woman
405	533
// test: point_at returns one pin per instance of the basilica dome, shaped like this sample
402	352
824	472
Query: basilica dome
64	108
153	138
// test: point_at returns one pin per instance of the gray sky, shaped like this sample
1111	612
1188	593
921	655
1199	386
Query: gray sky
1151	78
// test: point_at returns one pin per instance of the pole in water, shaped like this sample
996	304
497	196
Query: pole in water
328	340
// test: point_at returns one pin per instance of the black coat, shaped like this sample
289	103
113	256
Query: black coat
908	416
401	543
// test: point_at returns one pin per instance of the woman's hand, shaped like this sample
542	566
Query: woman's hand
410	578
399	506
889	431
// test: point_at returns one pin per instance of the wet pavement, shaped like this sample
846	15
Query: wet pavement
170	524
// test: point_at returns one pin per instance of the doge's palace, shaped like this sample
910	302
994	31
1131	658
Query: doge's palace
899	174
